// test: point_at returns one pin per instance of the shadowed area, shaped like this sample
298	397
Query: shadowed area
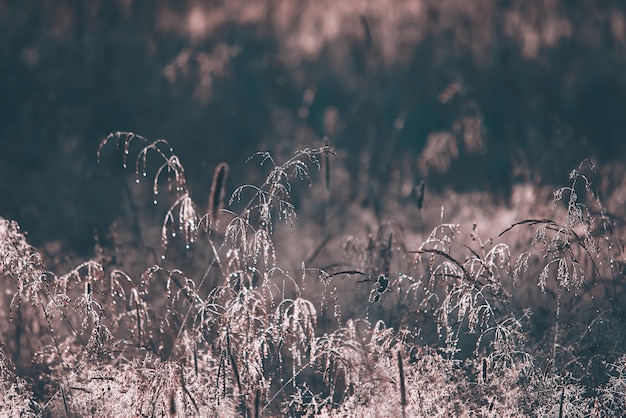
473	97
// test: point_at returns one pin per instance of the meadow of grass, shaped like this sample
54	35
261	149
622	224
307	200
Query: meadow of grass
282	298
425	238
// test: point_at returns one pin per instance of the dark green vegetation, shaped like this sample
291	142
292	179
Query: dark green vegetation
410	245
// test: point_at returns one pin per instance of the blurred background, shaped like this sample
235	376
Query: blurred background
467	96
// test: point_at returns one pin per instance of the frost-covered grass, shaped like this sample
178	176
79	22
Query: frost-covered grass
251	310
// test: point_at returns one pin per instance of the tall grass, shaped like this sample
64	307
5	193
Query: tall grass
444	330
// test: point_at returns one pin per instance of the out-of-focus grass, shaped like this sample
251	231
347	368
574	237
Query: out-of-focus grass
506	91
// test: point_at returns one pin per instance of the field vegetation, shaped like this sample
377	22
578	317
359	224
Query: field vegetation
312	209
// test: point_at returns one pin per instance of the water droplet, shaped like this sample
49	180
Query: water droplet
137	181
144	174
173	234
187	246
163	257
155	202
124	165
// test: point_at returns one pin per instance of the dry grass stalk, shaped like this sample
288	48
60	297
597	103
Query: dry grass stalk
172	403
218	191
403	401
257	403
484	370
419	190
184	386
326	163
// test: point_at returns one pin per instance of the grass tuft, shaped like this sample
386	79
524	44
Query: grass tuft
383	324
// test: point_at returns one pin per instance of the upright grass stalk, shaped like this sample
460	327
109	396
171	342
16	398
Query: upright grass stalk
218	191
403	401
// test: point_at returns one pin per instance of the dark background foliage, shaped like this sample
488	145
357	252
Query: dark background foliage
472	96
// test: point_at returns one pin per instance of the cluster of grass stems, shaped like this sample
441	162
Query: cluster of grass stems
444	334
